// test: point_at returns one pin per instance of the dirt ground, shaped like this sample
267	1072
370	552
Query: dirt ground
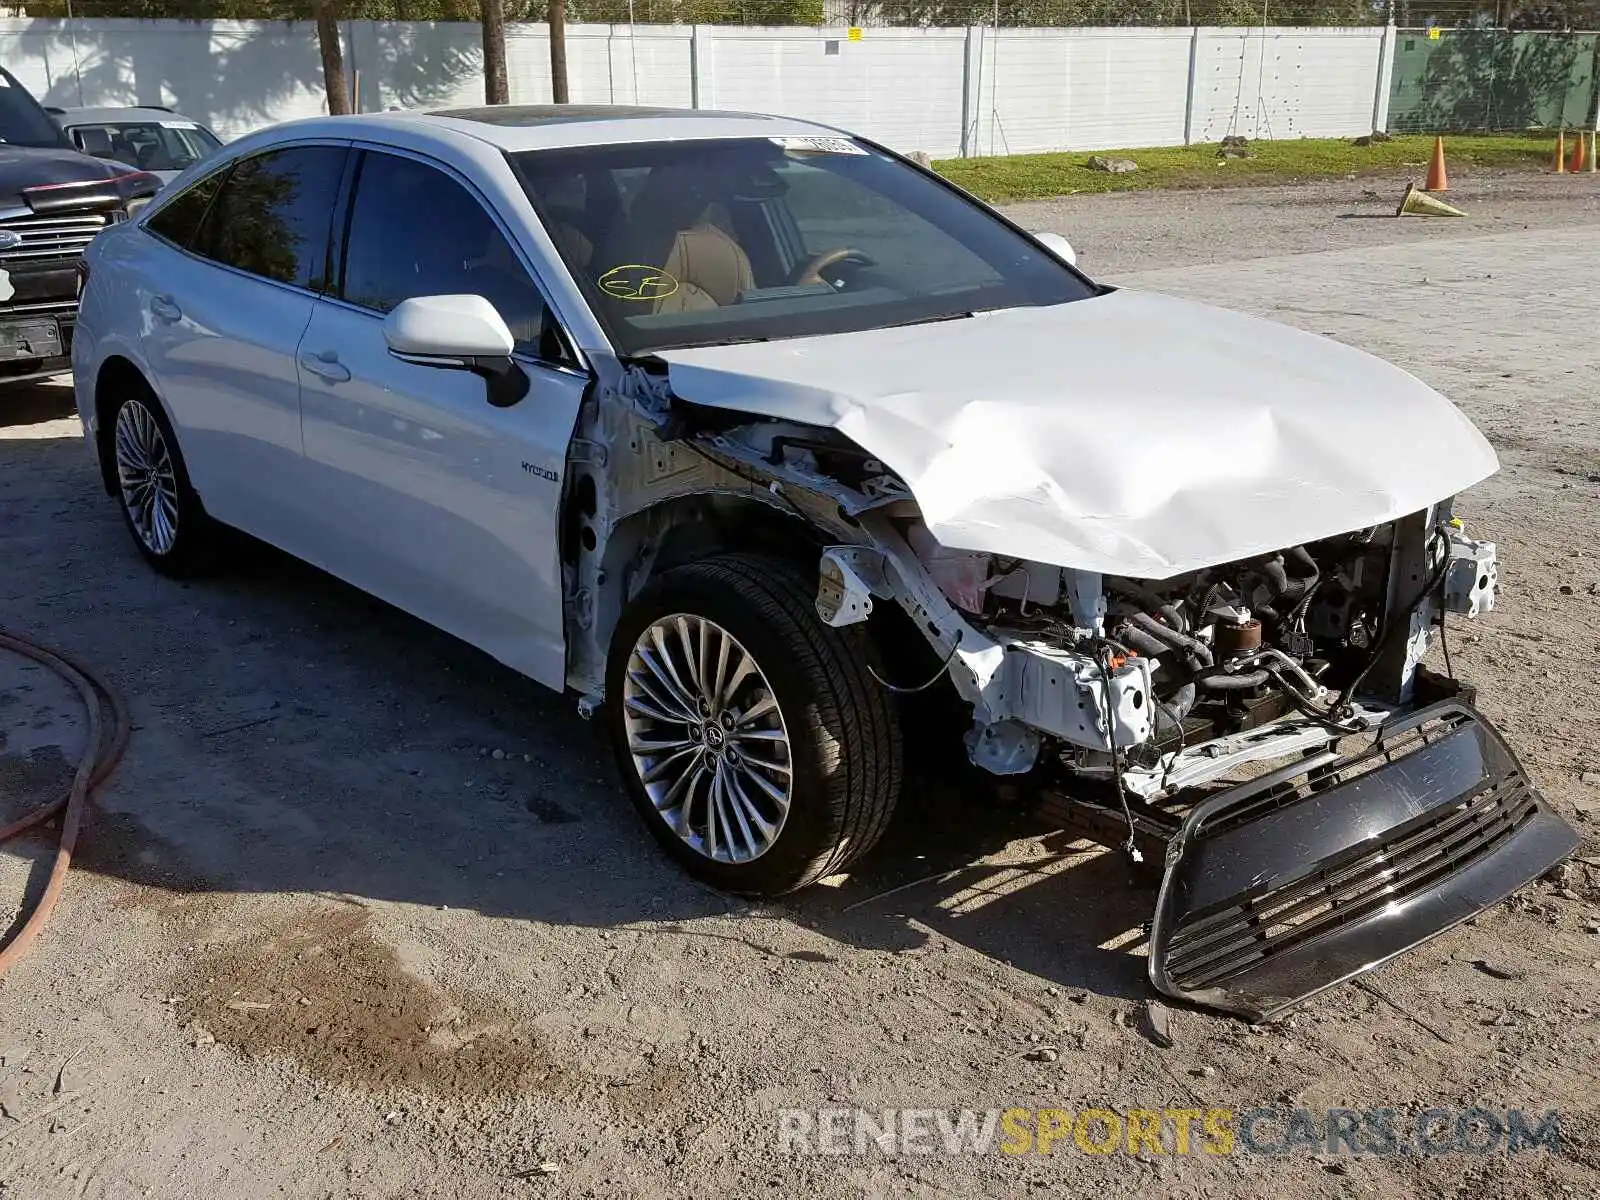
362	914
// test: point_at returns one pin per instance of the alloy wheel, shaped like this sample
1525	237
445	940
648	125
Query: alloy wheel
707	738
147	479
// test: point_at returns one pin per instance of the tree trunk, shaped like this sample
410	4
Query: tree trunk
557	18
496	90
332	56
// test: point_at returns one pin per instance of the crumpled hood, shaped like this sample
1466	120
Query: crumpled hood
1131	434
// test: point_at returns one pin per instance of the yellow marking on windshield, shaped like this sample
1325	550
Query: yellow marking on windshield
635	281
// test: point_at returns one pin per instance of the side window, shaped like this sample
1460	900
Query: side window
414	231
272	216
179	219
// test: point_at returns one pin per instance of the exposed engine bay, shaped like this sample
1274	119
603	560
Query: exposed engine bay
1308	631
1143	681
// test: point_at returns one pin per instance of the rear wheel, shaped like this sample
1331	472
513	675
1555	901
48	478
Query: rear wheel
752	740
159	506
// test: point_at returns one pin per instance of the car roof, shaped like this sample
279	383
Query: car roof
517	127
110	115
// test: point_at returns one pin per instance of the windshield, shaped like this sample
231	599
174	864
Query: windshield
22	121
698	243
147	145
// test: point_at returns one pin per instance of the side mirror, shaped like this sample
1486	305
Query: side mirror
459	333
1057	245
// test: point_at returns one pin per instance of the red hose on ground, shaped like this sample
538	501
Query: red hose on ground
104	742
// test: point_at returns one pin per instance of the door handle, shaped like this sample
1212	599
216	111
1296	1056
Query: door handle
325	365
164	308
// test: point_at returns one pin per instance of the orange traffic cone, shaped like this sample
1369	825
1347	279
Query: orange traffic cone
1580	154
1561	153
1438	181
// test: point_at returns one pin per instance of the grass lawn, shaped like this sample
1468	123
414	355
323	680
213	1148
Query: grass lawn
1029	176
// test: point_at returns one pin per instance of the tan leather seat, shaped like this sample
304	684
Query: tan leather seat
671	226
710	267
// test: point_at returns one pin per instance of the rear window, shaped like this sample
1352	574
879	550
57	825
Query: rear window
272	215
178	220
697	243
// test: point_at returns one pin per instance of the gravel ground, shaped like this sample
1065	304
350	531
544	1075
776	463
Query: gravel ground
1139	231
364	914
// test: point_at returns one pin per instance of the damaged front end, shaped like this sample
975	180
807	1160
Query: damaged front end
1265	728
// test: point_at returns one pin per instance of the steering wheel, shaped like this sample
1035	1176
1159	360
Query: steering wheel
810	272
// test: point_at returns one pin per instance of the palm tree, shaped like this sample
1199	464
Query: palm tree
332	56
496	90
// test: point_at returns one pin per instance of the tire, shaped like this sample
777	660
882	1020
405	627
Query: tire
827	720
159	506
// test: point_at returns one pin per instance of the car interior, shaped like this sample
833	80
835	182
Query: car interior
718	235
139	146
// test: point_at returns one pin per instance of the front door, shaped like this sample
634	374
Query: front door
433	499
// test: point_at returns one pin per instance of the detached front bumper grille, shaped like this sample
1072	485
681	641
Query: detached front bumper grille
1291	883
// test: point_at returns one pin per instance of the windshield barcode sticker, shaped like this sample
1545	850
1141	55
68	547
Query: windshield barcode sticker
818	145
177	125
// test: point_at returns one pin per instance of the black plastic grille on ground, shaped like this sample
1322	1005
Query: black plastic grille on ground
1210	947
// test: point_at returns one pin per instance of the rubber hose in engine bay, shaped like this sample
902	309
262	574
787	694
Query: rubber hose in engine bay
1174	639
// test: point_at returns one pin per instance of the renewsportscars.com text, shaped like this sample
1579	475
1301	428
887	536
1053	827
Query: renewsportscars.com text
1270	1131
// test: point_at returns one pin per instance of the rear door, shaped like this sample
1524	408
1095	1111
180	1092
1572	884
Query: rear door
226	302
430	497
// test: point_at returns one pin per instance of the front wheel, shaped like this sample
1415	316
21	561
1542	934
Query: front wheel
754	743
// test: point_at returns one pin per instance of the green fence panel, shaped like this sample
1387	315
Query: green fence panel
1491	79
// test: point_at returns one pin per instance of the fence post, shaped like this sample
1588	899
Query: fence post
699	66
1380	93
1594	99
1188	99
971	90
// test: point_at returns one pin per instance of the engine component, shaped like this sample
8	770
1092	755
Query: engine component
843	596
1173	638
1233	638
1241	682
1471	577
1065	693
1087	597
1006	748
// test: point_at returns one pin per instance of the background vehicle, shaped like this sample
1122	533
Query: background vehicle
743	429
148	137
53	200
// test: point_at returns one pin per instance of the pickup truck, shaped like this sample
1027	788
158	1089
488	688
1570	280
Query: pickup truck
53	200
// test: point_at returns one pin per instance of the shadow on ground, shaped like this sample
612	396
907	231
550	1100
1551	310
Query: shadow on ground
293	735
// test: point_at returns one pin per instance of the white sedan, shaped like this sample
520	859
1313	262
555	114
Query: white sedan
786	455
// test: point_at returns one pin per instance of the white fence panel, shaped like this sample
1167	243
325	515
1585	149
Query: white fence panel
233	75
414	64
902	87
943	91
1081	89
1286	83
